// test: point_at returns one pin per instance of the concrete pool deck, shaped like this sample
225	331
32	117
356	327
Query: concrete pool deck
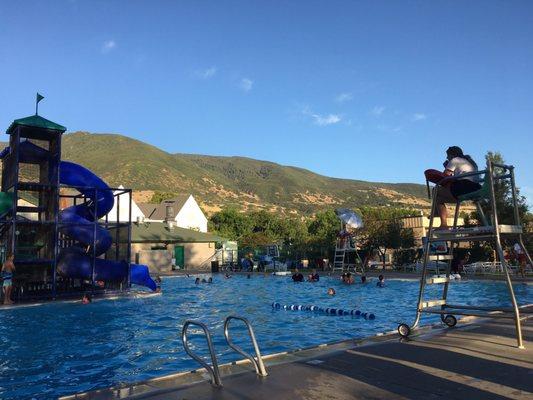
478	359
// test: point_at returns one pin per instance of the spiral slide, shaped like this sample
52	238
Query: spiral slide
74	262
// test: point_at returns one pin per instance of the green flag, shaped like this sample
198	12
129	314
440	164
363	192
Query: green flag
39	98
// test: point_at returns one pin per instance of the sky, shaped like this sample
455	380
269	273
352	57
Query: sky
369	90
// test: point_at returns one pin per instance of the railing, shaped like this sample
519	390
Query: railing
257	363
213	370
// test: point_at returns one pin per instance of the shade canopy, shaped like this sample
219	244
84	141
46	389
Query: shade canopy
350	218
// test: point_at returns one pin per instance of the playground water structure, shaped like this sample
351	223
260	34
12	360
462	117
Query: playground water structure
106	343
77	223
54	219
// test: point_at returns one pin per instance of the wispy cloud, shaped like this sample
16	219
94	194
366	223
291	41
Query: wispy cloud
246	84
343	97
108	46
322	120
207	73
418	117
377	111
389	128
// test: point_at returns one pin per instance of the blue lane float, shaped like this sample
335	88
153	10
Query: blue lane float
330	311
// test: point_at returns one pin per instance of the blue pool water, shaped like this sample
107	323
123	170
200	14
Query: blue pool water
60	349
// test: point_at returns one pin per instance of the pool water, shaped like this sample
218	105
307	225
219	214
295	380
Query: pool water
64	348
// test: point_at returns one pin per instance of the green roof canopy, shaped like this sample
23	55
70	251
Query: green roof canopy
154	232
35	121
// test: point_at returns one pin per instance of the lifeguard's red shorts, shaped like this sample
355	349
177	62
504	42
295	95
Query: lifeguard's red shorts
434	175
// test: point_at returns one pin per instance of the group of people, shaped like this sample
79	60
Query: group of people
197	281
347	278
312	277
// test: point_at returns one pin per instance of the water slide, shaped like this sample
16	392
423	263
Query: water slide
75	262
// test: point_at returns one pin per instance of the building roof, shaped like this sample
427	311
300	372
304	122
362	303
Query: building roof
36	121
159	211
157	232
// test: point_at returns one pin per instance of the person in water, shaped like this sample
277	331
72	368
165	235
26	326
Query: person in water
381	281
331	291
297	276
7	275
363	279
197	281
349	278
210	280
157	281
313	277
449	190
86	299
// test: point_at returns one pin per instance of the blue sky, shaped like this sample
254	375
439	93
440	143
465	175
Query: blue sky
366	90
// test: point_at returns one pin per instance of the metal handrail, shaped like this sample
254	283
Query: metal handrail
258	364
213	370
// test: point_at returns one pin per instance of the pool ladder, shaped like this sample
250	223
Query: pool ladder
213	370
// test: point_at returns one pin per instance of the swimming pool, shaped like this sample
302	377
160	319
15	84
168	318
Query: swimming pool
59	349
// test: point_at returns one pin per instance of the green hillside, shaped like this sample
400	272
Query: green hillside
221	181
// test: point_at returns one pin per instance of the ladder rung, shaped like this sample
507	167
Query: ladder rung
433	303
512	229
440	257
433	281
461	238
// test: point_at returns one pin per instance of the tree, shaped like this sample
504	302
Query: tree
231	224
383	230
159	197
504	196
258	228
323	231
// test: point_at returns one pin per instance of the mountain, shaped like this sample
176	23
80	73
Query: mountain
222	181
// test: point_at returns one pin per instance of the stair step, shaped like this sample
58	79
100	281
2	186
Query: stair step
30	209
433	303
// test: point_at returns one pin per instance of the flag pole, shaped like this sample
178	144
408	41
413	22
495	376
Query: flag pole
38	98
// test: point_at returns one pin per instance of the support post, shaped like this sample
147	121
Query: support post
499	249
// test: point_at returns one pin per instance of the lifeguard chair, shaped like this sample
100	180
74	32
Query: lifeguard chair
490	230
346	255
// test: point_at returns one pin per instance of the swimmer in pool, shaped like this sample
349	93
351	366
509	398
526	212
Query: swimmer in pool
349	278
86	299
331	291
381	281
297	276
313	277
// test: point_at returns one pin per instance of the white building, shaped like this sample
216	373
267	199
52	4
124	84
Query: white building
183	210
122	208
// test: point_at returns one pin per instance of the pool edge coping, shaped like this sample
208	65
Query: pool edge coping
195	376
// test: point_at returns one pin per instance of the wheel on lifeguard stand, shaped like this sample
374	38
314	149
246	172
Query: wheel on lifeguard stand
404	330
450	320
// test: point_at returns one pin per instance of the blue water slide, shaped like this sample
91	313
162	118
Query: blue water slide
76	263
